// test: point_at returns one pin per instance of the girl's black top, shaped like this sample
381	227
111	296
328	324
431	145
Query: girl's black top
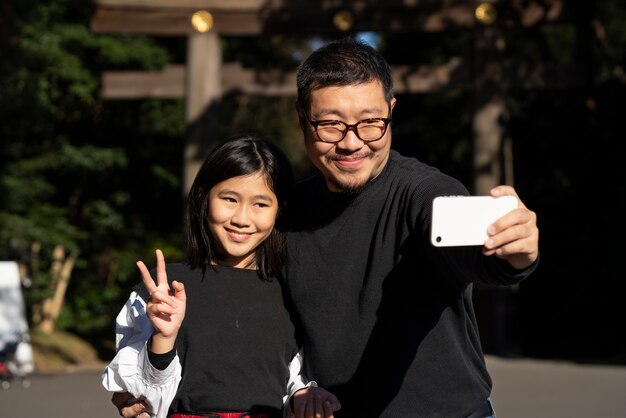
235	343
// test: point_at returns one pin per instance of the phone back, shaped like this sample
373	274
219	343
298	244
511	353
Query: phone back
463	220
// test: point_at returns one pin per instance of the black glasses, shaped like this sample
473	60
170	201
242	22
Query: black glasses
333	131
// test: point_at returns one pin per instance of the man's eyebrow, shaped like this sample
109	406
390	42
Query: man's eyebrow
325	112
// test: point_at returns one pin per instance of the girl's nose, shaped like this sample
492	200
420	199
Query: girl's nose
241	216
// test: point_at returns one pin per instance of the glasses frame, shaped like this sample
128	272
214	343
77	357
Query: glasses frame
349	127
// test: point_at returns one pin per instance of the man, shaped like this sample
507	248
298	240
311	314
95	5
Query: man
386	319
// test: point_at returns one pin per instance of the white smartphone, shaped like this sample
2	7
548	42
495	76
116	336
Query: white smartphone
463	220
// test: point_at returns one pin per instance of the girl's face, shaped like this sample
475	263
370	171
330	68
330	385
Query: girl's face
242	213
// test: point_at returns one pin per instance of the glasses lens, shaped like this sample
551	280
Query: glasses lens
331	131
335	131
371	129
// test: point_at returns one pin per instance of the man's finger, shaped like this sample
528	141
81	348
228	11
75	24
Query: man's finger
329	409
334	403
309	410
319	407
128	406
120	399
299	407
135	410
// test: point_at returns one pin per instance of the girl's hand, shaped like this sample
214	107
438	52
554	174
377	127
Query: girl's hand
165	310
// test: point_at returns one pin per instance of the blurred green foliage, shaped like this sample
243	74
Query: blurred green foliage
67	158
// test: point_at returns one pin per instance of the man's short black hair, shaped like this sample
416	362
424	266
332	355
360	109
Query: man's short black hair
342	63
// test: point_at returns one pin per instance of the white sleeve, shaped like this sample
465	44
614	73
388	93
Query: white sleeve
297	381
131	370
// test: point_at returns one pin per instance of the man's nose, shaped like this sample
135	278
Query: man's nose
350	142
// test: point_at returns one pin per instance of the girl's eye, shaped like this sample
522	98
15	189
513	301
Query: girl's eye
261	205
229	199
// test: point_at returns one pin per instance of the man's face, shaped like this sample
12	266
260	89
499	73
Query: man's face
349	164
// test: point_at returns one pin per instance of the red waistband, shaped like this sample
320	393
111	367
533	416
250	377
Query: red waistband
225	415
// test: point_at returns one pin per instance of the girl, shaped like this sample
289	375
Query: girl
230	357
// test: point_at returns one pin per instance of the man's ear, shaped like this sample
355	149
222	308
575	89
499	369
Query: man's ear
301	117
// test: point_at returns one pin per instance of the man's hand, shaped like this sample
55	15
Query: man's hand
314	402
515	236
128	406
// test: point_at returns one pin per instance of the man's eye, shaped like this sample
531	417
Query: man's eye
329	124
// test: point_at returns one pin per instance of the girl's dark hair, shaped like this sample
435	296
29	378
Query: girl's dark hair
342	63
239	156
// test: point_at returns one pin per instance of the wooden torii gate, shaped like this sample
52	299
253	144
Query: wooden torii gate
204	78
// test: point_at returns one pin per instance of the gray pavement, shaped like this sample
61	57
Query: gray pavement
64	395
526	388
523	388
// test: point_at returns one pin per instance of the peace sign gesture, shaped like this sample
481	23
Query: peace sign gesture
165	310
